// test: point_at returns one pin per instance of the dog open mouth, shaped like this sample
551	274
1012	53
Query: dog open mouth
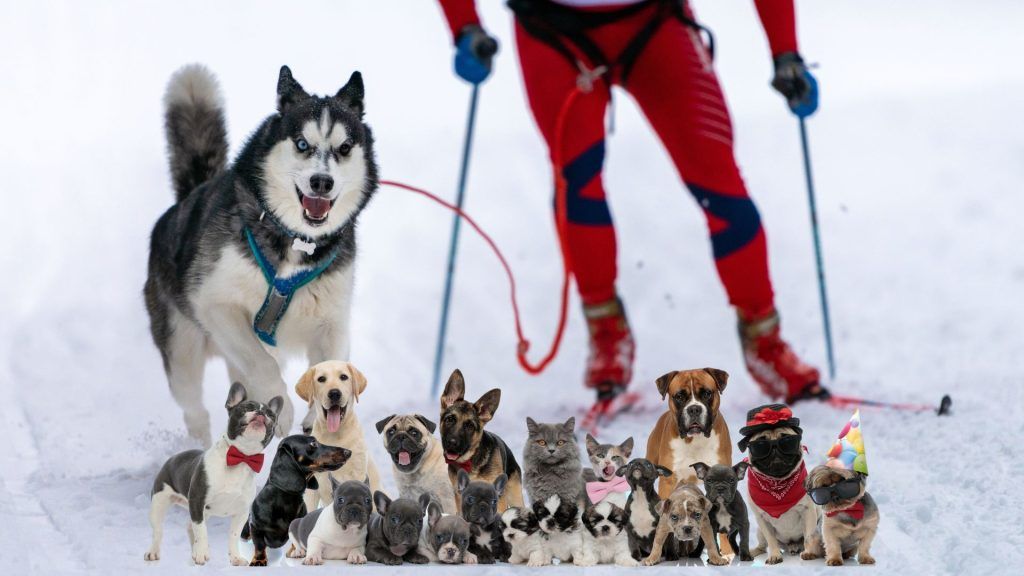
314	208
334	415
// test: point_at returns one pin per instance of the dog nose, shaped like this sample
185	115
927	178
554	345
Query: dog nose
334	395
688	530
321	183
694	411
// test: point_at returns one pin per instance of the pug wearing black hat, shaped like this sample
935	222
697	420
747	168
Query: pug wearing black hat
786	516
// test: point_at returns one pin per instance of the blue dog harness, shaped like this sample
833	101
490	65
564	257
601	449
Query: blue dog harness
279	290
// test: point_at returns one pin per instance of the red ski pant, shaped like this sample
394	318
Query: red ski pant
676	88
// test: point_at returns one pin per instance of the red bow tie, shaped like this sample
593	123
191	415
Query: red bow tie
467	465
236	457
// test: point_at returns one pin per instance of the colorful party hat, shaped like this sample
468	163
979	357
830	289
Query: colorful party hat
848	451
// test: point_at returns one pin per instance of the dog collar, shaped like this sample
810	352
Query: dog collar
856	511
300	242
467	465
279	290
253	461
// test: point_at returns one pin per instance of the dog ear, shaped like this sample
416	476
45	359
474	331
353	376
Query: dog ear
627	447
360	381
275	405
664	507
591	443
621	471
707	507
434	512
334	483
487	405
664	381
531	425
463	481
381	424
430	426
570	425
304	387
288	90
352	93
454	390
721	377
381	502
236	395
741	470
702	470
312	484
499	484
662	470
424	501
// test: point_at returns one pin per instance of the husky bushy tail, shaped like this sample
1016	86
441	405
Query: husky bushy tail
197	145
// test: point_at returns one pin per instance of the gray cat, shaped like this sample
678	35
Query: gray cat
551	463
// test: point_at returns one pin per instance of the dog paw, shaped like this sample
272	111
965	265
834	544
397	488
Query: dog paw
758	551
719	561
237	560
627	562
313	560
834	561
469	558
200	557
356	557
585	562
865	559
258	561
650	561
295	552
746	557
417	559
152	556
774	558
808	555
534	563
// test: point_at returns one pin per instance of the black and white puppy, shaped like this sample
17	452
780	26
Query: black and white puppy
480	509
728	513
642	508
523	537
338	532
298	458
219	481
559	522
606	535
394	534
446	537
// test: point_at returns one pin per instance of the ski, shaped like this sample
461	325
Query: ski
603	412
943	409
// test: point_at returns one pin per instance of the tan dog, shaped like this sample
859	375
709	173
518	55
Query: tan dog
691	430
850	524
684	517
332	389
417	459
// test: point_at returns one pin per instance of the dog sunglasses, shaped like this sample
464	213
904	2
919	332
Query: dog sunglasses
842	490
789	444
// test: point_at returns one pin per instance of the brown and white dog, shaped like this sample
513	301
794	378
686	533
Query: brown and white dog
332	389
851	515
691	430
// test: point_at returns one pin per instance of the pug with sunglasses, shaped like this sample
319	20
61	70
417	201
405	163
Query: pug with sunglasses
786	516
851	515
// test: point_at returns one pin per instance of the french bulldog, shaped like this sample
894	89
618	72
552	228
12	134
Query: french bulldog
394	533
728	512
851	515
219	481
338	532
417	459
480	509
445	538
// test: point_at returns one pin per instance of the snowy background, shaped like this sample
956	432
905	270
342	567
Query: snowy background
917	153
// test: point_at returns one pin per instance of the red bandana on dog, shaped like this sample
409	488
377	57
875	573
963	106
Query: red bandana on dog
467	465
856	511
777	495
236	457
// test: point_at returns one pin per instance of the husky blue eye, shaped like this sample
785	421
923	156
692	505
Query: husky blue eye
302	145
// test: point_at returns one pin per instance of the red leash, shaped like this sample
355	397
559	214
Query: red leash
562	223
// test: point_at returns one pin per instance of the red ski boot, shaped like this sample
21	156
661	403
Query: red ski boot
610	362
774	365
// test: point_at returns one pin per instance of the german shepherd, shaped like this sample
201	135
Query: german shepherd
467	446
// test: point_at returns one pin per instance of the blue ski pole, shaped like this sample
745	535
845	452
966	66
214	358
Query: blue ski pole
453	246
822	292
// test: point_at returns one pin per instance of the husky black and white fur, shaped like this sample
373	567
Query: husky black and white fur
300	181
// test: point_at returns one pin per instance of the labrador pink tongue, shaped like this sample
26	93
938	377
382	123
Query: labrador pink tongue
333	419
316	208
403	458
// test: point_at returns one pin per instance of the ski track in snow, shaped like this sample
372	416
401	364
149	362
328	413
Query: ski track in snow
918	173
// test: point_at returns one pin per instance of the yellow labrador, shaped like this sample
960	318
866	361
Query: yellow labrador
332	389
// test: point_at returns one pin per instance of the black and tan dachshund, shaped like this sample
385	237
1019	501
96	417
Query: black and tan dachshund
280	501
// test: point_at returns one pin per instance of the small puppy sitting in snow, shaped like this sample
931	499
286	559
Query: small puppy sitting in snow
522	534
728	513
559	522
851	515
219	481
337	532
606	534
684	517
480	508
445	537
394	534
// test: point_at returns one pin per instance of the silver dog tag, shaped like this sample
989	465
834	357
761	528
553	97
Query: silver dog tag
300	245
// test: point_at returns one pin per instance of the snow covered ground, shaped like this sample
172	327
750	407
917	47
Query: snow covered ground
917	154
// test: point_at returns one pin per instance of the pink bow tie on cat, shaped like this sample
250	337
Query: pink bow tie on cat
597	491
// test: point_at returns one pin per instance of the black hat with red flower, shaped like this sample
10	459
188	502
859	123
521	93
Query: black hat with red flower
768	417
